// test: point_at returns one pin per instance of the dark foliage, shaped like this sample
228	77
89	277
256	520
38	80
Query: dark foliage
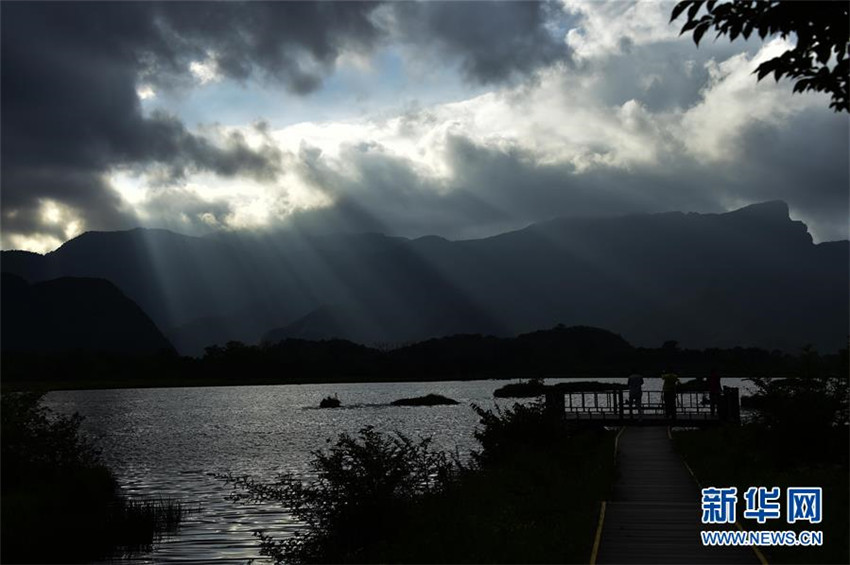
818	62
811	403
527	496
509	433
558	352
531	495
38	446
805	419
354	503
60	503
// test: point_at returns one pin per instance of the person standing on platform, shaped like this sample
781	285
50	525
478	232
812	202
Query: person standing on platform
636	392
671	380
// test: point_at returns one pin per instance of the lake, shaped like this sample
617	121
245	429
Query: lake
170	441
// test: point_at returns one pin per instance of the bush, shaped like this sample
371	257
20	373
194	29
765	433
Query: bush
60	503
531	494
37	444
362	484
810	402
504	433
805	418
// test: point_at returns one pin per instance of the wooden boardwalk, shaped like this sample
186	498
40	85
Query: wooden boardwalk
654	514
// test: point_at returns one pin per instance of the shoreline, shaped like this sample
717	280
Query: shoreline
114	384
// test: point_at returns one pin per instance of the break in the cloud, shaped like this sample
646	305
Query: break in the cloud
532	111
496	163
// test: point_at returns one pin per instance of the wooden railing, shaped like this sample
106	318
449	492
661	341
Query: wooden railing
613	404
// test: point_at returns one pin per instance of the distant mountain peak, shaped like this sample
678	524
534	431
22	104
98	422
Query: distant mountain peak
771	208
776	210
131	234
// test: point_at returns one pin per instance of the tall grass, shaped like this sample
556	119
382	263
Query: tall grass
137	524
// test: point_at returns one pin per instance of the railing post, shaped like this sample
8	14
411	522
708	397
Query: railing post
620	400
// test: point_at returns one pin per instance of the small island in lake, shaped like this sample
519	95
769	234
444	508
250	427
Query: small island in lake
330	402
535	387
427	400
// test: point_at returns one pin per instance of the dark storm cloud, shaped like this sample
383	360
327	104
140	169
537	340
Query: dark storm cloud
495	42
294	43
167	141
70	73
70	108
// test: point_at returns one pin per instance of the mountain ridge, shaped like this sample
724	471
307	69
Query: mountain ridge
751	276
776	208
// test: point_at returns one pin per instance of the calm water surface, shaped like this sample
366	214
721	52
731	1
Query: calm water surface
170	441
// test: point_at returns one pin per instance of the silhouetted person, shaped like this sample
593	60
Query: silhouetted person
636	392
670	381
714	391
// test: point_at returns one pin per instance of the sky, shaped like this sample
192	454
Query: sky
407	118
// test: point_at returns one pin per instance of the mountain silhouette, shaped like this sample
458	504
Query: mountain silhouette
325	322
74	314
751	277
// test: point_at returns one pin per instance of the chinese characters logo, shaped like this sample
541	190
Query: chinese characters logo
802	504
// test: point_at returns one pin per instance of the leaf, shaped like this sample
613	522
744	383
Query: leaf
678	9
692	12
689	25
801	85
765	68
824	51
735	31
700	31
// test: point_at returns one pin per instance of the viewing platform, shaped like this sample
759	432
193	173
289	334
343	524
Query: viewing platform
610	407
